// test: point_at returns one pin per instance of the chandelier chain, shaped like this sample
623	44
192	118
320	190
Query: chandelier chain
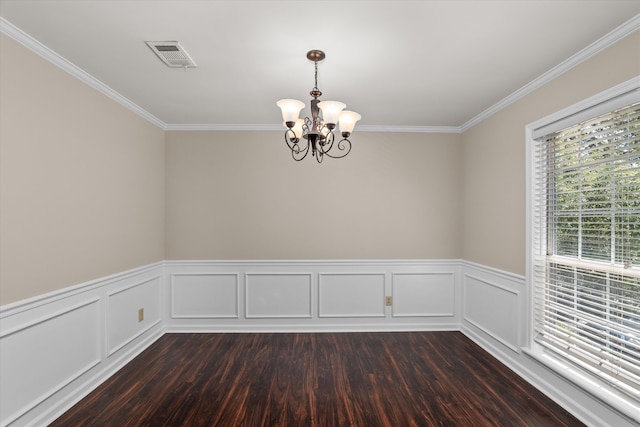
315	87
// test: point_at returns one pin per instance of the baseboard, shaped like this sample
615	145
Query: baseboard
344	328
67	402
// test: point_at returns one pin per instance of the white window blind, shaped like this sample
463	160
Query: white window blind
586	238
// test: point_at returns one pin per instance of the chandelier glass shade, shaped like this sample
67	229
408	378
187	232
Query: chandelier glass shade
315	133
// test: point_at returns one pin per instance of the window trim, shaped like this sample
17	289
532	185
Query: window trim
603	102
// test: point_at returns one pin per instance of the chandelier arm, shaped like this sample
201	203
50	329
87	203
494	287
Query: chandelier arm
294	145
295	153
343	146
327	142
290	138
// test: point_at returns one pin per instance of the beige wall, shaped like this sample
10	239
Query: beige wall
493	167
81	180
240	195
82	184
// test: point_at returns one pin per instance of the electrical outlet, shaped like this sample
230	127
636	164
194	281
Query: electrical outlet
389	301
140	314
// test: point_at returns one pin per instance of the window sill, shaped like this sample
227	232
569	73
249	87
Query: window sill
599	390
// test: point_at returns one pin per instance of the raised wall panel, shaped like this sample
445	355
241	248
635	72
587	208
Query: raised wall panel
122	312
493	308
351	295
278	295
204	296
43	356
423	294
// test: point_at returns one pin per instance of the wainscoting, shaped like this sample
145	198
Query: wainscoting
290	296
56	348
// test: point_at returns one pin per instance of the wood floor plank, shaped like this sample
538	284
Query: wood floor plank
316	379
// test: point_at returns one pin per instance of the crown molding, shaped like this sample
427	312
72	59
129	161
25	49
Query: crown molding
593	49
43	51
608	40
410	129
277	127
224	127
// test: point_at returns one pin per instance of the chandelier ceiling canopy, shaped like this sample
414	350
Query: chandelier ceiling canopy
316	132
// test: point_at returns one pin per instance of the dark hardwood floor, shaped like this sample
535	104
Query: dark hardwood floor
392	379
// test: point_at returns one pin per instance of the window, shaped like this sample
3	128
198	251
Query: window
585	240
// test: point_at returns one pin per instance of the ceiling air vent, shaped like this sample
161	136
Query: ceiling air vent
172	54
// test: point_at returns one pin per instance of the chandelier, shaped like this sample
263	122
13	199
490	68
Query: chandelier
317	130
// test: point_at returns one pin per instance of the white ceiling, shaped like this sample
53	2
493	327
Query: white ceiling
401	64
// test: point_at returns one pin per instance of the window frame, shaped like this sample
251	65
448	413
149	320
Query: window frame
618	96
